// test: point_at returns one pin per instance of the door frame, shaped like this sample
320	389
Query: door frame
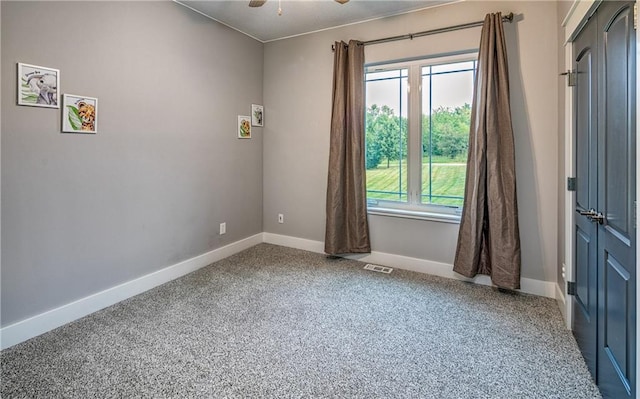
576	18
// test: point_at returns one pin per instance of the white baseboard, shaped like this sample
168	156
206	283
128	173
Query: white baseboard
529	286
566	306
560	297
47	321
562	303
294	242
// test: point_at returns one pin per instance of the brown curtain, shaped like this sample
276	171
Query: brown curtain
347	229
489	239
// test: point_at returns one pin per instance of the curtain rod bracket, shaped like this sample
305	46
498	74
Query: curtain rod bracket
509	17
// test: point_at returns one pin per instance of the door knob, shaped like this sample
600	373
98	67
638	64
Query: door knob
597	217
586	213
592	215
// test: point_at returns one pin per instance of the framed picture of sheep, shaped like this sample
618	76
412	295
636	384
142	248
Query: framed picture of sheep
79	114
38	86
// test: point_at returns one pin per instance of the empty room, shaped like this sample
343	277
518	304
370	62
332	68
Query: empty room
318	198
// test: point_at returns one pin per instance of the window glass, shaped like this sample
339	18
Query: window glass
446	114
450	67
386	136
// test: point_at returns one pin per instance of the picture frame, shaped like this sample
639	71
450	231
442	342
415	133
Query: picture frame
257	115
79	114
38	86
244	127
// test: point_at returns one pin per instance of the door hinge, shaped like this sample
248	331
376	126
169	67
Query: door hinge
571	183
571	288
571	77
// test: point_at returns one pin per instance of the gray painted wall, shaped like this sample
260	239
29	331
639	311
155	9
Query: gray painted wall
82	213
297	96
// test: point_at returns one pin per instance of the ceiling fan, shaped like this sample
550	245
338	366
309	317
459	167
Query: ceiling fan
260	3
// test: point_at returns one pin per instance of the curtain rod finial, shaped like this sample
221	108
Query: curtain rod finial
509	17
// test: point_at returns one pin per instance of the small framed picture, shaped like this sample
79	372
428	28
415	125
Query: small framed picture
38	86
244	127
79	114
257	115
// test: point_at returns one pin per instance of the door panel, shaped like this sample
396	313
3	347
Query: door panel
618	143
616	373
617	185
585	120
584	296
616	334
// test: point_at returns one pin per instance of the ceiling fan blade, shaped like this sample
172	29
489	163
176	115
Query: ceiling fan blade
342	1
257	3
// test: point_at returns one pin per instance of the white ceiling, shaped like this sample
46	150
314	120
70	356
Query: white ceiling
300	16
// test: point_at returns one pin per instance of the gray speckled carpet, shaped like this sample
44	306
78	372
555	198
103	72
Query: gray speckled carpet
275	322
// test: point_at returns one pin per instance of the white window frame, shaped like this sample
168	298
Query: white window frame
414	208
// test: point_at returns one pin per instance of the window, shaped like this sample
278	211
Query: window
417	140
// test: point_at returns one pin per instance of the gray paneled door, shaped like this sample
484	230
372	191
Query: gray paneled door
585	306
604	303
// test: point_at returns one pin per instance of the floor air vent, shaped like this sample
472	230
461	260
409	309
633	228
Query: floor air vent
376	268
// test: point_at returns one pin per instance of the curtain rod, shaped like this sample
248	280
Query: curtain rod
506	18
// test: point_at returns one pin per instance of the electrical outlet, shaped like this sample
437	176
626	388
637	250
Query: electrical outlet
280	218
223	228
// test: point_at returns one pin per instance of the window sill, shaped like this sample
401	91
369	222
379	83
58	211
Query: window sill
419	215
